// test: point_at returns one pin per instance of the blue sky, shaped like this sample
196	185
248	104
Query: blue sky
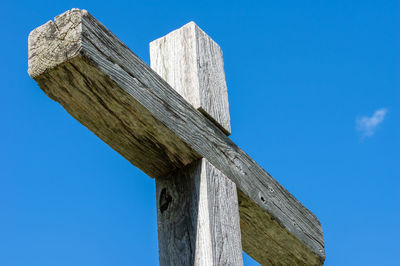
314	99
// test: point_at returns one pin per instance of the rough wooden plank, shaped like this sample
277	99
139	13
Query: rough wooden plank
192	62
196	223
90	96
98	56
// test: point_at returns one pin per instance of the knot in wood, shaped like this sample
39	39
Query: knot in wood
165	200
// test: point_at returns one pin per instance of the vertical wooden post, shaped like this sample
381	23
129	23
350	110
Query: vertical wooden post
197	207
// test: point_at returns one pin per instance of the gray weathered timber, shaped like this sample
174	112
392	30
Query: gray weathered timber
95	100
182	58
188	60
265	242
196	222
93	75
191	62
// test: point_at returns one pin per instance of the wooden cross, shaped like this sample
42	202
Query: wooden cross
172	122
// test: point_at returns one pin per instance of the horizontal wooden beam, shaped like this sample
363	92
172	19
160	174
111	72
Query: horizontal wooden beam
99	81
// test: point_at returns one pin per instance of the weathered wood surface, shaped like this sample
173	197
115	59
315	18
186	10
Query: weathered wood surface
202	227
198	219
182	58
99	81
191	62
94	99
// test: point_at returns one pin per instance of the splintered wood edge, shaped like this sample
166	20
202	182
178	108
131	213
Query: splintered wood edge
143	85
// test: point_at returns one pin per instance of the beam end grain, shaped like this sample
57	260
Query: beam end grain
59	63
105	86
55	42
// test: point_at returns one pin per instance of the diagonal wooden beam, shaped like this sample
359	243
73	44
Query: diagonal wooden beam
99	81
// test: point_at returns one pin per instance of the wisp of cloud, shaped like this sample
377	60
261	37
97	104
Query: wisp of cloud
367	125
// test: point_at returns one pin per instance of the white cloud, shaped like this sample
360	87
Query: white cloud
367	125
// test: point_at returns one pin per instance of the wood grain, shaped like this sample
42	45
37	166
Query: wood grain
188	59
99	81
191	62
198	219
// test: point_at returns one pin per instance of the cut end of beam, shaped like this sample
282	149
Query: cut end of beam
55	42
61	61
